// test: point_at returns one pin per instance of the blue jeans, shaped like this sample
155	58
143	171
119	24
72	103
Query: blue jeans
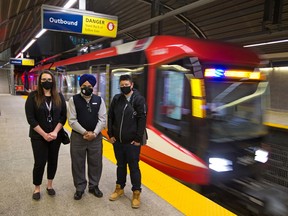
128	154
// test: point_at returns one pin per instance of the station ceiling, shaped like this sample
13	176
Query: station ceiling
242	22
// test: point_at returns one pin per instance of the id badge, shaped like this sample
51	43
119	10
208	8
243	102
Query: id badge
49	119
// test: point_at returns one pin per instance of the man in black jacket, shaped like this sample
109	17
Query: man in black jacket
126	126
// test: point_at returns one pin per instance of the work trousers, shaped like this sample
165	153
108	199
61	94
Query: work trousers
45	152
128	154
81	149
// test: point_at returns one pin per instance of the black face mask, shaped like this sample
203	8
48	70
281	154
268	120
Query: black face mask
86	91
47	85
125	90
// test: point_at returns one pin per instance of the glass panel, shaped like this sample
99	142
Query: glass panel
102	85
138	77
174	94
235	110
115	83
169	105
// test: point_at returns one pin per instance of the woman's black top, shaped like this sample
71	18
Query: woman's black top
41	116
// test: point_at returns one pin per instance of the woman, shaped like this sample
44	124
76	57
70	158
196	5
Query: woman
46	114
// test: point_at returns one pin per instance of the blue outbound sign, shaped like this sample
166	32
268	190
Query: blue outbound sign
78	21
22	61
16	61
62	22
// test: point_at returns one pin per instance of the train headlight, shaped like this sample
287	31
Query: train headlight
220	164
261	156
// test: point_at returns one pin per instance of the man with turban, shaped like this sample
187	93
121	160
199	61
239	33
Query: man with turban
87	118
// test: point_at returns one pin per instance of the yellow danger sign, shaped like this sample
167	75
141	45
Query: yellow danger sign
99	26
28	62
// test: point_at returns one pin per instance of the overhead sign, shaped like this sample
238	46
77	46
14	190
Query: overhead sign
22	61
78	21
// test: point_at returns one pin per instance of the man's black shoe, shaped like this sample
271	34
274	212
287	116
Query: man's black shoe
95	190
78	195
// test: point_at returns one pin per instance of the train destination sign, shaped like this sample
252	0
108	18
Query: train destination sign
78	21
22	61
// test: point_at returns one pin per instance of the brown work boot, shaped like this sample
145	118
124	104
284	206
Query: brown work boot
117	193
136	199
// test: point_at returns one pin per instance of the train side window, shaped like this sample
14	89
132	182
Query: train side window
101	85
171	100
138	76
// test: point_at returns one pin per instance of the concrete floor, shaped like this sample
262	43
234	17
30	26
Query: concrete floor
16	163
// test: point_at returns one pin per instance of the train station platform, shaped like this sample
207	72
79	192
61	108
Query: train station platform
161	194
276	119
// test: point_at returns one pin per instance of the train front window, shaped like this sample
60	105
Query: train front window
173	104
235	109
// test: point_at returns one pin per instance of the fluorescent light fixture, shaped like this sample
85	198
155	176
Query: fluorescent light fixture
267	43
69	3
5	64
19	55
28	45
40	33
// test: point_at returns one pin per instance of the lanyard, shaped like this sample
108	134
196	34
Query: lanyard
49	107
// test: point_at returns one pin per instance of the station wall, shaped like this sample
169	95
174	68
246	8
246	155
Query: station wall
4	81
278	81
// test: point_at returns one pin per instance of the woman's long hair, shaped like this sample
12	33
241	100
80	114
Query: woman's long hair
40	96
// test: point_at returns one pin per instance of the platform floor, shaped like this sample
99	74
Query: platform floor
161	194
16	162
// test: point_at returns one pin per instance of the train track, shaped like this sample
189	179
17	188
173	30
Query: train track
266	196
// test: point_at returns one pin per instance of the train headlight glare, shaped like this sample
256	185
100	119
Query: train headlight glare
261	156
220	164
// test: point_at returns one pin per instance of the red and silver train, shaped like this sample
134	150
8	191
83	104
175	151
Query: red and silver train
205	102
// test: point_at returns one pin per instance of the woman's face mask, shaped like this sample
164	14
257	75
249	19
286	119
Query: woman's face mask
47	85
87	91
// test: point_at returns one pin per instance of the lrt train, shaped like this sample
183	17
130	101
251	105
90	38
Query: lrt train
205	102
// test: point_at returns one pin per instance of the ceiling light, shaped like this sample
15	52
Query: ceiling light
19	55
69	3
28	45
267	43
40	33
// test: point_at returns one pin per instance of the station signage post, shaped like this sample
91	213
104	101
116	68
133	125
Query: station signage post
78	21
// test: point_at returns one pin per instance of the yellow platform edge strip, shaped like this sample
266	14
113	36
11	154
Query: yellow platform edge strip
178	195
276	125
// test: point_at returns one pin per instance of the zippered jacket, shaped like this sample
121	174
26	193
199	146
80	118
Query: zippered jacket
127	119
